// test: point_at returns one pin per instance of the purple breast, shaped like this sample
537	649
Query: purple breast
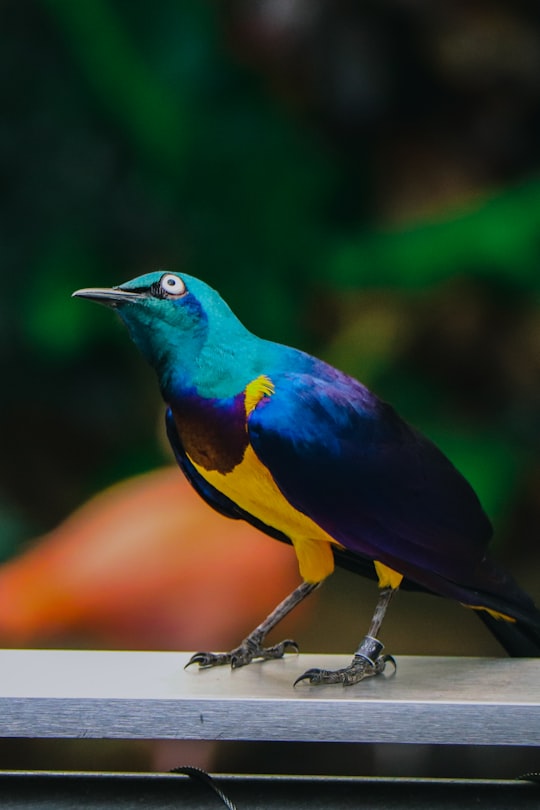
212	431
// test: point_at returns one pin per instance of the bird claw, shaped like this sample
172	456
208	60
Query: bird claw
244	654
205	660
359	669
276	651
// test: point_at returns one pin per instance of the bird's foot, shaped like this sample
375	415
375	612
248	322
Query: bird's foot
358	670
249	650
367	662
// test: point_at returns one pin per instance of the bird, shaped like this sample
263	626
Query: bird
272	435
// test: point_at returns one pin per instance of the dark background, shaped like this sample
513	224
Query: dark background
359	179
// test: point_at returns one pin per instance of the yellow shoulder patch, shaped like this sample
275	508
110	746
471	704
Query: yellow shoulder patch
257	389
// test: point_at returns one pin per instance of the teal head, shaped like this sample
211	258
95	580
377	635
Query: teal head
182	326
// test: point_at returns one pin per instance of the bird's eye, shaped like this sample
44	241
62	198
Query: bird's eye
170	284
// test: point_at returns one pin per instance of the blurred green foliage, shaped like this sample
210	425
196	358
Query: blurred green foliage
350	177
497	239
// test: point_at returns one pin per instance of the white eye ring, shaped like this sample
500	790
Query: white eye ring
172	285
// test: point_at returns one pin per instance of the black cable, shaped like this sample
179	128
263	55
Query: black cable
204	778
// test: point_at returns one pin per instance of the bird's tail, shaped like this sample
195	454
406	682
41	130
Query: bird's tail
519	639
508	612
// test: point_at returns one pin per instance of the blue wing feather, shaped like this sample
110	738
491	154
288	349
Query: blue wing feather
214	498
348	461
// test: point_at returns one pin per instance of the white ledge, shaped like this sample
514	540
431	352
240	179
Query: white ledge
136	695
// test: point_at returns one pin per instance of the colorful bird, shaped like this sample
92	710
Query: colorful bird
310	456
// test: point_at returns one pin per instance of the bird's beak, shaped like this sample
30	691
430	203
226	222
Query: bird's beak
109	296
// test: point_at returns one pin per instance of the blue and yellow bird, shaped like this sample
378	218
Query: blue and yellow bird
274	436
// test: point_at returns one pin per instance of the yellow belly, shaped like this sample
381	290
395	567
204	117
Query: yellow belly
252	488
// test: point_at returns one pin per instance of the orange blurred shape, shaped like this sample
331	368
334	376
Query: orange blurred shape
144	565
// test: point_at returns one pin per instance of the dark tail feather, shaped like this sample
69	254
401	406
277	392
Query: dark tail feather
520	640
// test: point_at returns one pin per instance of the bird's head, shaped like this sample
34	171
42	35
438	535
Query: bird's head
173	319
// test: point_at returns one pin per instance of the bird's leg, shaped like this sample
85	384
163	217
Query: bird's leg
367	660
251	647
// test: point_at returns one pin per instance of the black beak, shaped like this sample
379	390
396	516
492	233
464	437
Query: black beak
109	296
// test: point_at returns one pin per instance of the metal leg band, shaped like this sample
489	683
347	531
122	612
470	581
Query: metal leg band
370	650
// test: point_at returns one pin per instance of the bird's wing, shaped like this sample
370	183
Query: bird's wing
349	462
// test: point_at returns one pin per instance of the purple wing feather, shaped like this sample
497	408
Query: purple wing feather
380	488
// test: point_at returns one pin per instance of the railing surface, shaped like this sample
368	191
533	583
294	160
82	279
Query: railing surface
135	695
